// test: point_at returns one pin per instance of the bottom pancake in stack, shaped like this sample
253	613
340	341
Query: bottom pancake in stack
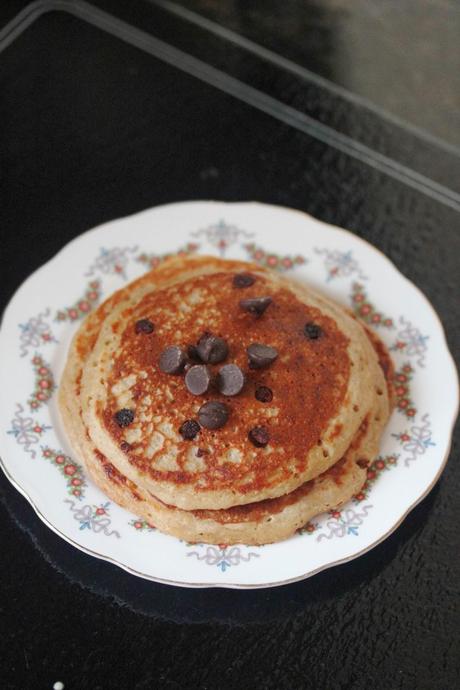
262	521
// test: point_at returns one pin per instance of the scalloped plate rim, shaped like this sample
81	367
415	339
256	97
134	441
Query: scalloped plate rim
221	584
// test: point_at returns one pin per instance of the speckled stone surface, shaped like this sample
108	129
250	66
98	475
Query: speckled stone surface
93	129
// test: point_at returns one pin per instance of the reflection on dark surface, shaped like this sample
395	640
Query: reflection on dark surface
403	57
313	27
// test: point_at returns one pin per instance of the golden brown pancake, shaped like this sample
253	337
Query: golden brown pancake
256	523
253	523
323	388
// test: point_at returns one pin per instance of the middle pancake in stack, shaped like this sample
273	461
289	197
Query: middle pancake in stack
324	413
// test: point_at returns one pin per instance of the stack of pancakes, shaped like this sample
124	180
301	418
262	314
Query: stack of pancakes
250	460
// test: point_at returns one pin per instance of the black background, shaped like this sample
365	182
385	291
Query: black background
92	129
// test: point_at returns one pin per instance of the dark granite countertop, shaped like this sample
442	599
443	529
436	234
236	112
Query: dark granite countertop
358	124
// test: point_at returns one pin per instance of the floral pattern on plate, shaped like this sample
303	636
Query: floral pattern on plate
225	230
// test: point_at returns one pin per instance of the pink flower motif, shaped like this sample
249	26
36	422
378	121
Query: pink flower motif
70	470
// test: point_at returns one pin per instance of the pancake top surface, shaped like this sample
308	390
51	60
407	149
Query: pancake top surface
308	380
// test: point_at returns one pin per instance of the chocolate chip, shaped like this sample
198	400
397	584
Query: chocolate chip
312	331
124	417
230	380
264	394
243	280
201	451
172	360
261	355
144	326
213	414
363	463
259	436
125	446
212	349
198	379
189	429
256	306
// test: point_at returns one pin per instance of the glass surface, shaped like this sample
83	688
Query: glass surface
100	120
403	57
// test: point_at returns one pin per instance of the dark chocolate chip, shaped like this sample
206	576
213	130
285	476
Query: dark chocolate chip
243	280
189	429
144	326
201	451
312	331
172	360
230	380
125	446
259	436
124	417
264	394
256	306
363	463
212	349
261	355
213	414
198	379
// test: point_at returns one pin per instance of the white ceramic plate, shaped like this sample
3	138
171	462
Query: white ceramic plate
47	309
